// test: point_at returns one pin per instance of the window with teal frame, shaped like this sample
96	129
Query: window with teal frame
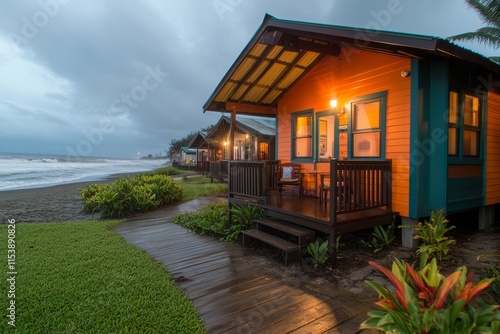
326	136
302	136
464	126
367	127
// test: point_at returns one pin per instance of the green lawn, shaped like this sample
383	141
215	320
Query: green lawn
199	186
83	278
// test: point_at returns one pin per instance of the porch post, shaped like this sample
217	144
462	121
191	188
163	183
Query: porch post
408	234
231	134
486	217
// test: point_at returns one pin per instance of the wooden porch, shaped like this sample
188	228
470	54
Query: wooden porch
360	194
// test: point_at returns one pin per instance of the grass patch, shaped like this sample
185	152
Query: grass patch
169	171
199	186
83	278
210	220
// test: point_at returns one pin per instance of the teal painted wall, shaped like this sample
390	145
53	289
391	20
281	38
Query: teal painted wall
419	124
428	138
438	133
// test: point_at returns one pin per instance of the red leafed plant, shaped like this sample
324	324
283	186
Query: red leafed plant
427	302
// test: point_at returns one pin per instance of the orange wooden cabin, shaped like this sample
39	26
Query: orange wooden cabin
429	106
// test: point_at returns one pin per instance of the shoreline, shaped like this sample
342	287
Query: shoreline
56	203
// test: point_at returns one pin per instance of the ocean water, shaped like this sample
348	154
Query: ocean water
24	171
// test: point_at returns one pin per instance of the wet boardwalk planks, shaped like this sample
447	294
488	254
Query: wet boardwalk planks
237	290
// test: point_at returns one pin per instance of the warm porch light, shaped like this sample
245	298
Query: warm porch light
334	103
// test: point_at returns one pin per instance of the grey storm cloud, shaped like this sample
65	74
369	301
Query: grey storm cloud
128	76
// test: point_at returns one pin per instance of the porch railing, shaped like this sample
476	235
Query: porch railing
360	185
251	179
203	167
218	170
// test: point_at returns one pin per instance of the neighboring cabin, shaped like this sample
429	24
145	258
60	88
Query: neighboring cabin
430	106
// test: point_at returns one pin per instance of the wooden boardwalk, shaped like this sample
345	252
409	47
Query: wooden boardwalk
237	290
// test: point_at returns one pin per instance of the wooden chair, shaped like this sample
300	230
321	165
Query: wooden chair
343	188
288	174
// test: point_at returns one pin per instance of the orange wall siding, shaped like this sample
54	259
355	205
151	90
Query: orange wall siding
493	150
365	73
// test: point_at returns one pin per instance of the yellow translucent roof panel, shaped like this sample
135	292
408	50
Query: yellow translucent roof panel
258	71
275	51
288	57
308	59
244	67
239	92
225	92
272	74
254	94
257	50
290	77
272	96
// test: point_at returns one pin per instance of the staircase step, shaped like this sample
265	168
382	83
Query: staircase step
291	251
304	235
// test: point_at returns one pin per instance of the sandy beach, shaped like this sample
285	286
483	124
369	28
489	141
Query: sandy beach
61	203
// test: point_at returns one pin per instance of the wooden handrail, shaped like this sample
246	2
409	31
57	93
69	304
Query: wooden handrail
251	179
359	185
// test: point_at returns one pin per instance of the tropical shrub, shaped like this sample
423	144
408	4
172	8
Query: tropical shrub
169	171
427	302
381	238
494	291
246	214
318	252
433	242
131	195
211	220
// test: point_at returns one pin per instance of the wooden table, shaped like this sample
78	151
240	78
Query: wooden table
315	174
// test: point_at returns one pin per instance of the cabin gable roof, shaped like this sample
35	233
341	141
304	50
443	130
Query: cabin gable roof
283	51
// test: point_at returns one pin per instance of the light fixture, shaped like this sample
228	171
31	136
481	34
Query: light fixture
333	104
405	74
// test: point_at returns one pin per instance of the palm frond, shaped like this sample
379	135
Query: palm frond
487	35
489	10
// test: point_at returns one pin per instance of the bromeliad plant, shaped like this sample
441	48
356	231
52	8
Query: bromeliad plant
381	238
427	302
318	252
246	214
433	242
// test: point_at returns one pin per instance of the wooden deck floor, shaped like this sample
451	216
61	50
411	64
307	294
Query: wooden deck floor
237	290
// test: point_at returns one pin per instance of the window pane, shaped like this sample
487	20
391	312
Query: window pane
452	141
303	126
367	115
303	147
471	110
366	144
326	139
471	143
453	113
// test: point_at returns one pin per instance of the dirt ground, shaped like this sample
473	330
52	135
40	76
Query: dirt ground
476	250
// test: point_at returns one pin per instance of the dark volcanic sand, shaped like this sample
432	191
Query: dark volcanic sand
60	203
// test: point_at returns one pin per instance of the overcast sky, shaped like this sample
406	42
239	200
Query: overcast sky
115	78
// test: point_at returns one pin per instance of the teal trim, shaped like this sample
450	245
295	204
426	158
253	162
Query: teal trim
335	135
418	190
460	158
438	131
382	97
308	112
465	193
484	135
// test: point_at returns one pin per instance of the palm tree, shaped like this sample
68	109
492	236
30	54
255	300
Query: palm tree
489	10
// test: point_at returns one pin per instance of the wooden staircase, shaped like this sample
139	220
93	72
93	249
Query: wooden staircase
271	233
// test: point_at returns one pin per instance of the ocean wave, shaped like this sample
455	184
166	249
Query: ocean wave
32	171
